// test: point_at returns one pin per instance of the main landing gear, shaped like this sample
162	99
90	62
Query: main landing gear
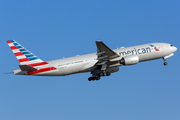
98	77
94	78
165	63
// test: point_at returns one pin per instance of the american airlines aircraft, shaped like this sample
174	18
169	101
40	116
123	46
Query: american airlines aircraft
102	63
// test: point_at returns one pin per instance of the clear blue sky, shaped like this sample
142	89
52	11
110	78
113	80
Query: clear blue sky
54	29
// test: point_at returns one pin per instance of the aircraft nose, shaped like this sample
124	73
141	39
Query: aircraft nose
174	49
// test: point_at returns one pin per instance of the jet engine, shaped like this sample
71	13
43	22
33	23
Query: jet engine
129	60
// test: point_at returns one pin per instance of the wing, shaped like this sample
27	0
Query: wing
103	50
105	56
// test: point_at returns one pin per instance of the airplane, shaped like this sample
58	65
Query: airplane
102	63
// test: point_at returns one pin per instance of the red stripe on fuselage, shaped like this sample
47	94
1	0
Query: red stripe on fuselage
23	60
38	64
13	47
41	70
18	54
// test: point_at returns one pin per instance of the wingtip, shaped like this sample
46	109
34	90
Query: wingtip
98	41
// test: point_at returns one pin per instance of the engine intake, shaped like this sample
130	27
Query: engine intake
129	60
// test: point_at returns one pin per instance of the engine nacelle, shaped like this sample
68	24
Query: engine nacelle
129	60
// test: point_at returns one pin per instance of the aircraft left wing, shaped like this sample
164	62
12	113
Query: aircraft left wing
105	55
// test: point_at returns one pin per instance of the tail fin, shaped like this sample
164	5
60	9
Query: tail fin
30	64
24	56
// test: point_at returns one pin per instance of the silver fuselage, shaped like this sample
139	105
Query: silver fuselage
85	63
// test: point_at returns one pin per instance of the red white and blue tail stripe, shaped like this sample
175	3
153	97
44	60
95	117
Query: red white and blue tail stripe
25	57
22	54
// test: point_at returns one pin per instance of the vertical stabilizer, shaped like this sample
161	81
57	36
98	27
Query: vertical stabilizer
22	54
29	62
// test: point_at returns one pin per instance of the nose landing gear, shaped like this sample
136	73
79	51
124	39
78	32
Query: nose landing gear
165	63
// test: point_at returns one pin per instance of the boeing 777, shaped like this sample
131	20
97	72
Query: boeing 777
102	63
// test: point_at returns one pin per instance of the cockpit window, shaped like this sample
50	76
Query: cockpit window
171	45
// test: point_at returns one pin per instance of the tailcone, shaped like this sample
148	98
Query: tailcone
19	72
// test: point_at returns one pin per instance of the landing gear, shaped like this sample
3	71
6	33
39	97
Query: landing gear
165	63
103	73
93	78
98	77
98	72
108	74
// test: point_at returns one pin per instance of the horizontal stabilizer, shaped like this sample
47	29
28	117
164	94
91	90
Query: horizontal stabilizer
27	68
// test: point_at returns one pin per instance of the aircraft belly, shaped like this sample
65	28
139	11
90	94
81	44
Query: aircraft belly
88	66
70	69
146	57
48	73
151	56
